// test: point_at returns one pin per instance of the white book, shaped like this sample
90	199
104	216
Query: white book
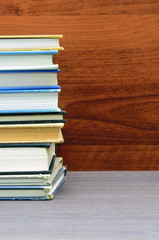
29	78
26	158
27	60
30	42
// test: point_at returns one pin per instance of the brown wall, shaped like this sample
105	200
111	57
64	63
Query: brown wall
109	77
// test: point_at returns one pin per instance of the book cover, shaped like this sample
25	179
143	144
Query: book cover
30	36
30	89
35	70
38	112
29	52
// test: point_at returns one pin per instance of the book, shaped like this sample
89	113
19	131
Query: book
33	192
26	60
29	118
28	133
36	42
32	178
27	158
28	78
23	100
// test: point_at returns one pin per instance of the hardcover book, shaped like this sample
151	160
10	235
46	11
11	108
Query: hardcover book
27	60
29	100
28	78
30	42
28	157
27	133
29	118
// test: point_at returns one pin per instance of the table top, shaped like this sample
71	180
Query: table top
90	205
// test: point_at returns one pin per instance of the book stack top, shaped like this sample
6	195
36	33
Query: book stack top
30	42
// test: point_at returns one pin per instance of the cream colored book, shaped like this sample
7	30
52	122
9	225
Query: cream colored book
30	42
26	158
28	133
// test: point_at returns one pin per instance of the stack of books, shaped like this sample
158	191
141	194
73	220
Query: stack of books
30	119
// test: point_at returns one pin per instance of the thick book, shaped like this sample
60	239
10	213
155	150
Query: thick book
29	118
30	158
30	133
27	60
36	42
33	192
32	178
31	100
28	78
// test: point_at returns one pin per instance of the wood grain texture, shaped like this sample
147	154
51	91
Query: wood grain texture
109	76
74	7
110	157
89	206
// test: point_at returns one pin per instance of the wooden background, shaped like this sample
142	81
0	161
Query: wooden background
109	77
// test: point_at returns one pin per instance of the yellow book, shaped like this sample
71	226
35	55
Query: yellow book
28	133
30	42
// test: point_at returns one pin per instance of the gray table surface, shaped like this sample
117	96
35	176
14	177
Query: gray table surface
90	205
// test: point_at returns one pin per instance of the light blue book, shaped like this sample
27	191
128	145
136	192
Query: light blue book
29	52
36	192
36	78
29	100
27	60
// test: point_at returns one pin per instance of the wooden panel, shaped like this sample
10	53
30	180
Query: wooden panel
109	76
75	7
110	157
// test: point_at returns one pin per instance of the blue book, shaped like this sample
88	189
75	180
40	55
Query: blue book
27	89
30	90
44	70
29	100
29	52
35	78
27	60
